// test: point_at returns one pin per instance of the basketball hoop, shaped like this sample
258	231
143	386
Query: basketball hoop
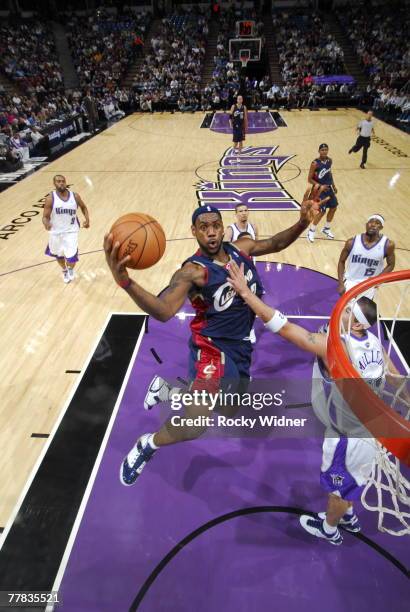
385	413
244	57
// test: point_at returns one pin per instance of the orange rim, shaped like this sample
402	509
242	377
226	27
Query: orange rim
367	406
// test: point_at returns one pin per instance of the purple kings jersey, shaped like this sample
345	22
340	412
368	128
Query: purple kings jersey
220	312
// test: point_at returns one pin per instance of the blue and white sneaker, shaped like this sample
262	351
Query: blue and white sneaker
329	235
136	460
314	526
158	391
350	522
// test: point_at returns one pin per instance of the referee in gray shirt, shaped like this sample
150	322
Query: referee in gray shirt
365	129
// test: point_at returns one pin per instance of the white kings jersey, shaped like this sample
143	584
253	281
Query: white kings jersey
236	231
63	217
364	262
366	355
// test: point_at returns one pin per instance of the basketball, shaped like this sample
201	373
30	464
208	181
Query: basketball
141	237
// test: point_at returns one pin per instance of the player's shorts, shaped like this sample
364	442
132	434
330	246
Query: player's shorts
332	203
219	364
346	465
63	245
370	293
238	135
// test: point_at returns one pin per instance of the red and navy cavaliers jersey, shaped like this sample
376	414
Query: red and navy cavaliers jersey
220	312
323	173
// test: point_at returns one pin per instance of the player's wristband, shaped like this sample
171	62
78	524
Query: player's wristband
126	284
277	322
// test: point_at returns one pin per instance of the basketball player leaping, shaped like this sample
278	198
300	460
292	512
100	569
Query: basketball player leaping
238	120
61	221
364	255
346	460
220	350
320	176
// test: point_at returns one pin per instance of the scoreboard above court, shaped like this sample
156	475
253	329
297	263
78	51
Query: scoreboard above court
245	28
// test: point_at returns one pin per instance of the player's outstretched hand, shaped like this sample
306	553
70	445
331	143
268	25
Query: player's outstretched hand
309	209
118	269
237	278
341	289
86	224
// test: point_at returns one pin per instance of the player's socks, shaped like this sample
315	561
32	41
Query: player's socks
151	442
66	276
71	273
136	460
350	522
311	234
329	529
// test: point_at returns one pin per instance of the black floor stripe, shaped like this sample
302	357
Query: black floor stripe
157	357
39	435
244	512
32	552
73	371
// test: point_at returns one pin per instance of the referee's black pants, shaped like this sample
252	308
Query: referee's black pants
362	141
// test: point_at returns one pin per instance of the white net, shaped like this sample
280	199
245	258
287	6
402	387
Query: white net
387	488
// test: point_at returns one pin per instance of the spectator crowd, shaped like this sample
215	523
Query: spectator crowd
306	50
28	58
103	46
169	77
380	37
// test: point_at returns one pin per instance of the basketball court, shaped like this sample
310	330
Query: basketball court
211	523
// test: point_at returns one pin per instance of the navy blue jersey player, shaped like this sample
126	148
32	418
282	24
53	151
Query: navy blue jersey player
238	120
219	347
320	176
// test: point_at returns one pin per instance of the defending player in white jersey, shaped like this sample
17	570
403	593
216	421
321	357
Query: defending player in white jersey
346	460
61	221
364	255
241	225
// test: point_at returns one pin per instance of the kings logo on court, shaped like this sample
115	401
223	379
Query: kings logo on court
249	179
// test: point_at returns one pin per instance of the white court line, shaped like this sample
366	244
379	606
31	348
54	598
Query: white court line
49	440
87	493
272	120
286	125
210	127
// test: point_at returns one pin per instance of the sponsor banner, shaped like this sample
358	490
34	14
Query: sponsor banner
58	134
334	79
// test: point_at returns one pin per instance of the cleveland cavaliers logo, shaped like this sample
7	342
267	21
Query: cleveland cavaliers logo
249	179
225	294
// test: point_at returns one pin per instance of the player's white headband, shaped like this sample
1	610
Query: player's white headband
378	217
357	311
